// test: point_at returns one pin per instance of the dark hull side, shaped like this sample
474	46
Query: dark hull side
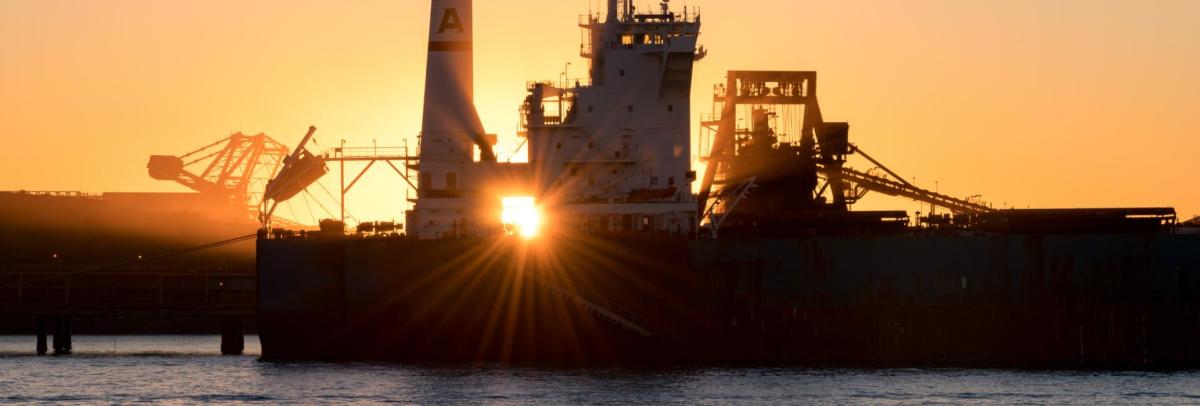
1130	300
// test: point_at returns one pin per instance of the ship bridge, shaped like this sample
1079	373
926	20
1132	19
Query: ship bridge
612	152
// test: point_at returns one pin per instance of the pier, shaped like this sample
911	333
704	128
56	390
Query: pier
54	297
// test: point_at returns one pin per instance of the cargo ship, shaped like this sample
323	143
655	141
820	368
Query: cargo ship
606	247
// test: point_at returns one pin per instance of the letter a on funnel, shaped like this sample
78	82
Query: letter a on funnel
451	21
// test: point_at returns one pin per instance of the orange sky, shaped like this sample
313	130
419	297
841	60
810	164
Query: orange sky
1060	103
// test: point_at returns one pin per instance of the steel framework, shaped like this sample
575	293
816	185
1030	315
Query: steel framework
762	89
235	167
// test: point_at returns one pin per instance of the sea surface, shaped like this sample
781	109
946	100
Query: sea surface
190	369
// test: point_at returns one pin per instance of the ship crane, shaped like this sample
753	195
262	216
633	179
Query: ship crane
230	169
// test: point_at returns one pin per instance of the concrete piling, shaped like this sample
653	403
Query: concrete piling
66	322
41	335
61	326
233	340
56	333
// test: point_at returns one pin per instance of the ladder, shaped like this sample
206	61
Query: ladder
715	219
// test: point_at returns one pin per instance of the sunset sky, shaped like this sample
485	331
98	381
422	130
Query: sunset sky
1046	103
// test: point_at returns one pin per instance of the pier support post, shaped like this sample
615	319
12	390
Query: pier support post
56	332
66	334
41	335
233	340
62	334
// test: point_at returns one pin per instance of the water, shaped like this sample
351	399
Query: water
189	369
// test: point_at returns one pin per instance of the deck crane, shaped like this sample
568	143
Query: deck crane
232	169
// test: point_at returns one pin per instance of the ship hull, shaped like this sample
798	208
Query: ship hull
1121	300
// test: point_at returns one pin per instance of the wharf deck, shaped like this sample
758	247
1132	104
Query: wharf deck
39	290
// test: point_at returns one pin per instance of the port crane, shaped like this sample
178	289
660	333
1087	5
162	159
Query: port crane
771	121
232	169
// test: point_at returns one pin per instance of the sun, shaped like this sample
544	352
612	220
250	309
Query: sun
520	216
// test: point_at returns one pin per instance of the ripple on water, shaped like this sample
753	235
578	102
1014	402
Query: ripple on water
189	369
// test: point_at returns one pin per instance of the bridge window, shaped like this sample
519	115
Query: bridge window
671	107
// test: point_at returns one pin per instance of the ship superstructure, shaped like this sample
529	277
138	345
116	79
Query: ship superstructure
613	153
610	152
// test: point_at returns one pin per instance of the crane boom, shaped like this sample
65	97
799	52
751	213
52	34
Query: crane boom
234	168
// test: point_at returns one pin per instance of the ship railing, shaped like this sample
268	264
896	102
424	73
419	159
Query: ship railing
687	16
567	84
532	83
588	20
366	152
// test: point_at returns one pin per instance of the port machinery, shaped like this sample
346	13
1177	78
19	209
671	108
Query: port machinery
231	170
774	165
766	136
